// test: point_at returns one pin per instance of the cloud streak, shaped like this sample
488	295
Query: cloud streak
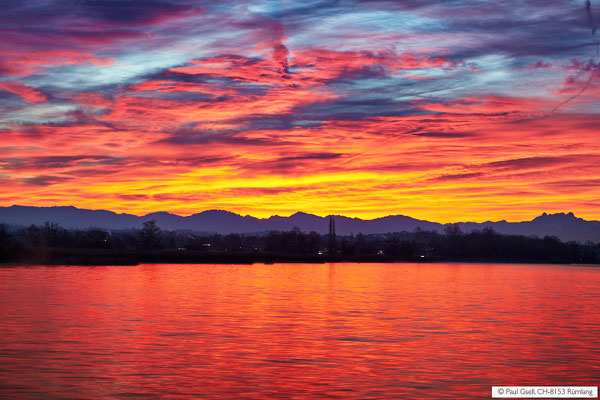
27	93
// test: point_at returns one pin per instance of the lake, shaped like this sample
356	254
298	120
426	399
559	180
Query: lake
295	331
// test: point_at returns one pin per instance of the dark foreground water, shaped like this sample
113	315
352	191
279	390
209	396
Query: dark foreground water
295	331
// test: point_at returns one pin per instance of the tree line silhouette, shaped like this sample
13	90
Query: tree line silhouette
51	243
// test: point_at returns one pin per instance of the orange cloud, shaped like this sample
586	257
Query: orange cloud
474	162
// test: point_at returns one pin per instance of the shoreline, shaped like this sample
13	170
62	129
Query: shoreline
90	257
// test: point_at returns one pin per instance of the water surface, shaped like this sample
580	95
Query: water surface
295	331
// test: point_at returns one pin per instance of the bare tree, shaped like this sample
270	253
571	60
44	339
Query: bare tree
150	235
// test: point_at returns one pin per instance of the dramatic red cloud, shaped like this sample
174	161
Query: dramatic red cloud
30	62
490	105
311	66
27	93
134	112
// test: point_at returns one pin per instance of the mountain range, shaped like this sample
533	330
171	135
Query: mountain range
565	226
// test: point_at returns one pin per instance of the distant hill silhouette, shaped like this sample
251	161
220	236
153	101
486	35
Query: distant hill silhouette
564	226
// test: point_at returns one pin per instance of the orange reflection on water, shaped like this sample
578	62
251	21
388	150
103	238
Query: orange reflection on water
304	331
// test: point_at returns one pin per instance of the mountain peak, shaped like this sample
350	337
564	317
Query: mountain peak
568	215
158	213
216	212
300	213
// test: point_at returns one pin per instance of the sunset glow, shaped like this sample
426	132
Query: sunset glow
445	111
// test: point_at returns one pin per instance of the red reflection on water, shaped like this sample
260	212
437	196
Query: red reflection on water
351	331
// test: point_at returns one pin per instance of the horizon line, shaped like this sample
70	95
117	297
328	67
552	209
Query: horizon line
542	213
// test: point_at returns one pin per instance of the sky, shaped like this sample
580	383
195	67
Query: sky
439	110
